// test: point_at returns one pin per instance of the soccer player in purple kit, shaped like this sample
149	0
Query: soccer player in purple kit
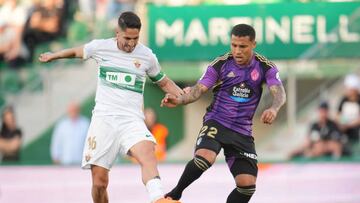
236	79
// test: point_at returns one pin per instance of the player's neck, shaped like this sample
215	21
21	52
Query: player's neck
247	63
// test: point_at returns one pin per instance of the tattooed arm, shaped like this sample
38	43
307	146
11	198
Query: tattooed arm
194	94
279	98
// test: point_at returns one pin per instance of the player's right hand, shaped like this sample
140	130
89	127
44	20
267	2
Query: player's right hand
170	101
268	116
46	57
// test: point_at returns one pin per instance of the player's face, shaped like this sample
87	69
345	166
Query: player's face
323	114
9	119
127	39
242	49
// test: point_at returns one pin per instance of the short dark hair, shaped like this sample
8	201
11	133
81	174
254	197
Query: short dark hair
243	30
324	105
129	19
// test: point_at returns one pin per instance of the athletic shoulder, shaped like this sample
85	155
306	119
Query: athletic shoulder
95	43
220	61
265	63
144	49
101	41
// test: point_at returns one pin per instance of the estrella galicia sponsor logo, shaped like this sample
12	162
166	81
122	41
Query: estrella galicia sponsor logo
241	93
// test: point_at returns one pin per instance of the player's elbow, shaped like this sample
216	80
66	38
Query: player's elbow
78	54
284	98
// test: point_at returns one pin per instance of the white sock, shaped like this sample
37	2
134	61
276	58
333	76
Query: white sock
155	189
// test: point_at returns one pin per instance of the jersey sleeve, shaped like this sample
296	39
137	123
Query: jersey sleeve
91	48
272	77
154	72
340	107
209	78
20	18
314	133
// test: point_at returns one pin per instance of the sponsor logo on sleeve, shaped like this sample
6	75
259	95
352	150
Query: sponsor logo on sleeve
278	76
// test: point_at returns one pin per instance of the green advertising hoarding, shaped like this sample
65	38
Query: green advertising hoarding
284	31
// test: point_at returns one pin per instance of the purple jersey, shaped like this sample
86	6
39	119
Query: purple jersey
237	90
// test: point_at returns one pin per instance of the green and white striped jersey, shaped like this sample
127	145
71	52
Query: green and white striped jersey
121	77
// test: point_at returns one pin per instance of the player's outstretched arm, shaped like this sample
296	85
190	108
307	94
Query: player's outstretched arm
169	86
194	94
279	99
75	52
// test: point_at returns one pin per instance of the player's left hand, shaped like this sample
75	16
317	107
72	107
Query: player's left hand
46	57
170	101
268	116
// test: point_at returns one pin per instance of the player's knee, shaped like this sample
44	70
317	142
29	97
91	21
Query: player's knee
146	155
100	185
245	180
100	182
201	162
208	155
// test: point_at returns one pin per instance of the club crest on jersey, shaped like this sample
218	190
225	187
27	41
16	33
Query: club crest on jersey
137	63
254	75
241	93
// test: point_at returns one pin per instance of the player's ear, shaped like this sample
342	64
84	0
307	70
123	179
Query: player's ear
254	44
117	31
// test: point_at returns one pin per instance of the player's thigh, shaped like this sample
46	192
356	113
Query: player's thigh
143	151
207	145
333	145
100	175
136	138
242	168
101	146
241	156
319	146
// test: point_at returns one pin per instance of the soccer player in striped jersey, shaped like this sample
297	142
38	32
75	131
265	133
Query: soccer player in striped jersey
117	124
236	79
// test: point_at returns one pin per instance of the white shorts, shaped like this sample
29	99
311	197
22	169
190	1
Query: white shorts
110	136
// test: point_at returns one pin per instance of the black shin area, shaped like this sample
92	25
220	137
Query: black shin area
193	171
241	194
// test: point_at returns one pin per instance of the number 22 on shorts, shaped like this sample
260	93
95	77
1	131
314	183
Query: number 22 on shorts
205	130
